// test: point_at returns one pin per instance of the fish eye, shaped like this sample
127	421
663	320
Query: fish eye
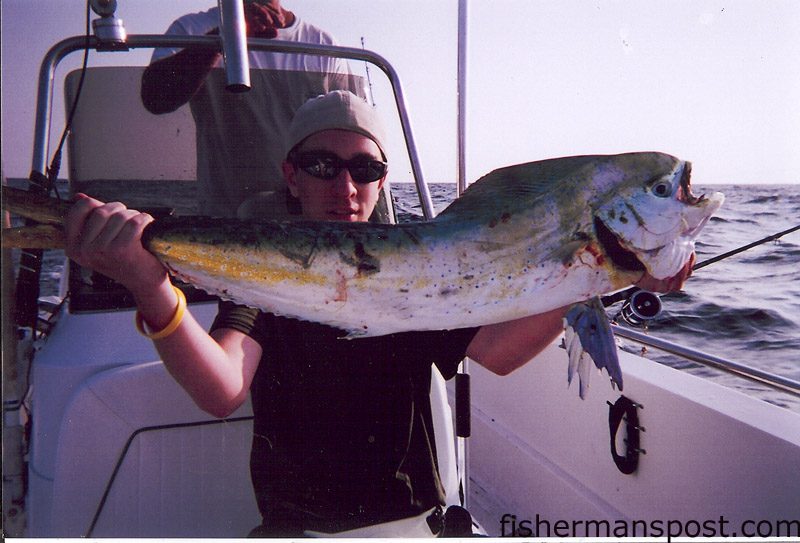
662	189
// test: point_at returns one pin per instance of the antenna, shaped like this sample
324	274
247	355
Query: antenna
369	79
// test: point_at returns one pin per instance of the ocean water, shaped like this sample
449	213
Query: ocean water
745	308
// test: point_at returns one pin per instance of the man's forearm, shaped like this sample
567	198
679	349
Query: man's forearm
169	83
503	347
216	376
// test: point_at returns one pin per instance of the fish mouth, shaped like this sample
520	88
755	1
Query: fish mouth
614	250
685	190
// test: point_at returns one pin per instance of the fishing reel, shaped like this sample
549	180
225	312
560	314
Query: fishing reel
640	307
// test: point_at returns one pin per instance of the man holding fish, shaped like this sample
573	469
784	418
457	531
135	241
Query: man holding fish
343	435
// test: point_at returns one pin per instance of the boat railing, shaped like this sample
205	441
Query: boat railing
771	380
78	43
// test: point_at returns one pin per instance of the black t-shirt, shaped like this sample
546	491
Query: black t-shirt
343	435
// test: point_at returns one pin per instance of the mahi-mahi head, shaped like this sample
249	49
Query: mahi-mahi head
520	241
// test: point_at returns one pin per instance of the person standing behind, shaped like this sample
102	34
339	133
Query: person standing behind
240	135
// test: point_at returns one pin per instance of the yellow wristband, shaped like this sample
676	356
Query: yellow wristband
171	326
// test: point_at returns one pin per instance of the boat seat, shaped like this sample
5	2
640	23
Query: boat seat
137	458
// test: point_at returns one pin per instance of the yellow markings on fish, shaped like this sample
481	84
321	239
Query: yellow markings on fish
223	261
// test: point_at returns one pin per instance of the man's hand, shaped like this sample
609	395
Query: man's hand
263	21
108	239
671	284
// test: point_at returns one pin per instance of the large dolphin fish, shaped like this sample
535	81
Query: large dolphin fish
520	241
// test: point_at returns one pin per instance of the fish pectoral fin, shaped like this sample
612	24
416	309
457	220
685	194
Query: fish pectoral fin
588	336
579	360
570	337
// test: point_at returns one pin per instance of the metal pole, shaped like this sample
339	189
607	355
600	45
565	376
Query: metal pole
462	95
753	374
233	31
463	406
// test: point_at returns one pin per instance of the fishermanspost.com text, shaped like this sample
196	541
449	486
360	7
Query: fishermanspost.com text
512	526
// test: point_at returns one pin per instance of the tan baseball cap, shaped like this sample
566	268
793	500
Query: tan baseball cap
336	110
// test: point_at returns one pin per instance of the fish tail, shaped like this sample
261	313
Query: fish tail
38	236
40	208
48	212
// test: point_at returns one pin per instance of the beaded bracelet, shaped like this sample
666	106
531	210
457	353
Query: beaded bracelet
171	326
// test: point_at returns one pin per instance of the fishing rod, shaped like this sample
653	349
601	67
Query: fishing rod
773	237
641	305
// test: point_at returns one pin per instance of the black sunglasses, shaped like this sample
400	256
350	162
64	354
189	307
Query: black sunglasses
326	165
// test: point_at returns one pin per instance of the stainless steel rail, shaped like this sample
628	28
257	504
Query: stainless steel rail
78	43
742	370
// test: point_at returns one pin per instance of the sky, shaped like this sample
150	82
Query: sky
713	82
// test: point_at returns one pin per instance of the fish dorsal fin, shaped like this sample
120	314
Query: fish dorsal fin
514	187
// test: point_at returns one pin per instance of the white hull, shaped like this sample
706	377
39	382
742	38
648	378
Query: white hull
711	452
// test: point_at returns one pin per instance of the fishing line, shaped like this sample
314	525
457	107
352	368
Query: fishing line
625	294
